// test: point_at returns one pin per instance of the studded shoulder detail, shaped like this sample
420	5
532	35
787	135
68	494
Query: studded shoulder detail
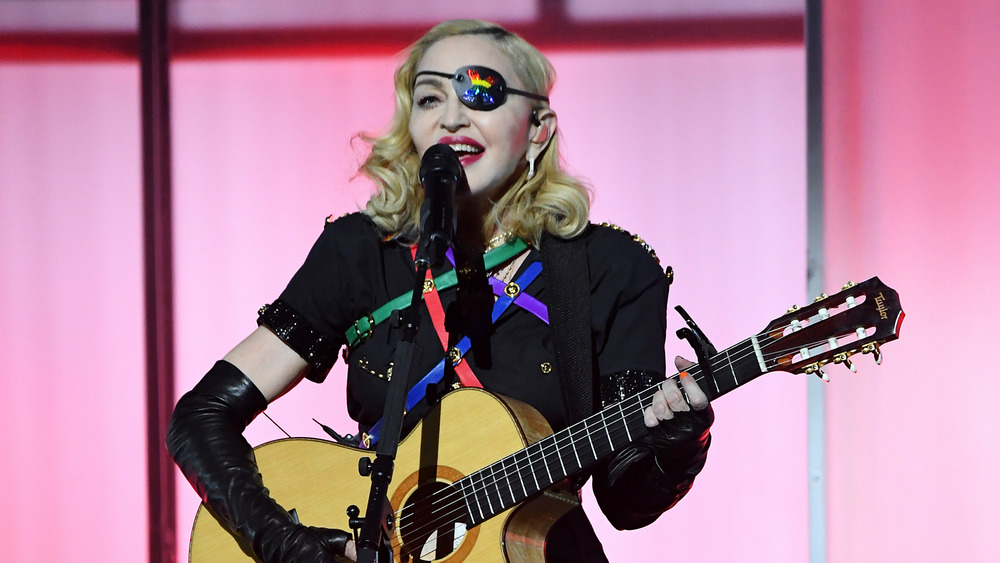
636	238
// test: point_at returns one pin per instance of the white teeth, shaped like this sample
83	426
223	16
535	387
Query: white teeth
460	147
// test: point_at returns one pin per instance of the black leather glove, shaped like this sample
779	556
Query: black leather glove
206	441
680	446
652	474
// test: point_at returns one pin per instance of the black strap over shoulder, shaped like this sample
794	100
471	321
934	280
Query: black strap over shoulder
567	273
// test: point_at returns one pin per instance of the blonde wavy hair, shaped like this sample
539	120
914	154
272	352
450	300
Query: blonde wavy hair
552	201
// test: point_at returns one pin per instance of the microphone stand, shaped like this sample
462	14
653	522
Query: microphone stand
373	543
440	171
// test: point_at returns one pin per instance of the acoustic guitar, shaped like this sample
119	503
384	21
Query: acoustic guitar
482	478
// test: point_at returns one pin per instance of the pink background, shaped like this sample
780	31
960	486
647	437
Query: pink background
700	150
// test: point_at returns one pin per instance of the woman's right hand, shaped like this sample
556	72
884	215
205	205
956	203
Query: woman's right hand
309	543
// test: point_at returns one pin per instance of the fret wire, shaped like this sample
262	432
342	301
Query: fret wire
472	496
524	489
576	452
622	412
545	464
578	442
559	457
571	454
465	498
604	422
486	493
475	496
731	369
506	484
533	474
590	439
495	485
469	496
491	485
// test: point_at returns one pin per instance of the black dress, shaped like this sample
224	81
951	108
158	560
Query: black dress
351	271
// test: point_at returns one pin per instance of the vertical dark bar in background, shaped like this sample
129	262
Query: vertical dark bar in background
815	277
154	27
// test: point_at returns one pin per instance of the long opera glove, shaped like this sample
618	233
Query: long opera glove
205	438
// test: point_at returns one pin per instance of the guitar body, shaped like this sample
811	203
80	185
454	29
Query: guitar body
468	430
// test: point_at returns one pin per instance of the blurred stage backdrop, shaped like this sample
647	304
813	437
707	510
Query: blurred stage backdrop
688	119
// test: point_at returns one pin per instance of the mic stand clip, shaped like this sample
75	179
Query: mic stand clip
373	542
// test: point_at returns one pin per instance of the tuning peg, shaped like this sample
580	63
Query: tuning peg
873	349
847	285
850	365
793	309
844	358
818	370
820	297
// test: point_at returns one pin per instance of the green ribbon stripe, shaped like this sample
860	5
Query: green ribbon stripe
362	327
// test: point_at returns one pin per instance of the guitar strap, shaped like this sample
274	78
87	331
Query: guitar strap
568	269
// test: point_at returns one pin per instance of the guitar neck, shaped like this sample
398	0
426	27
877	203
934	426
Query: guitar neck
858	319
522	474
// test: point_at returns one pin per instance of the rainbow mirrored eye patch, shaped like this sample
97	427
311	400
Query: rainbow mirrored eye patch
481	88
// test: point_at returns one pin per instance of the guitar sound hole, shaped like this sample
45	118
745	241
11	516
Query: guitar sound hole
431	523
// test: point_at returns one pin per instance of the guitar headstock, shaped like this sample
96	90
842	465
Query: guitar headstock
860	318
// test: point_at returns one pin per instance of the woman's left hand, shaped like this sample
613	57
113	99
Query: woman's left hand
679	428
668	400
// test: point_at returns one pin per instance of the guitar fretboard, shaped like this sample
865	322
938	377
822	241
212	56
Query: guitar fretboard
522	474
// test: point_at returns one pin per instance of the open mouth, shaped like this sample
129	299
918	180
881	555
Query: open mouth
467	149
467	154
464	150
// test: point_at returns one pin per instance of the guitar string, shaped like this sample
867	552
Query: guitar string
455	510
619	426
544	451
444	516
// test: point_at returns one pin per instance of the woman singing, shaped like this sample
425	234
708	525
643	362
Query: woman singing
523	244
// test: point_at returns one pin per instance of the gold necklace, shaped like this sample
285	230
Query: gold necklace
506	274
498	240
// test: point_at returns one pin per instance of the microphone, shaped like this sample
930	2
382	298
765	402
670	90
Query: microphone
440	175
